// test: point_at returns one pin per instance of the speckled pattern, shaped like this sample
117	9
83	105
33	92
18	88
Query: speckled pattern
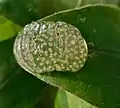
47	46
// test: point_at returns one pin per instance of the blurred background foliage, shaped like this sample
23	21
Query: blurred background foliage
25	11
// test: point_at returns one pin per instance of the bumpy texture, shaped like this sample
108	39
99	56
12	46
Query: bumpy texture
48	46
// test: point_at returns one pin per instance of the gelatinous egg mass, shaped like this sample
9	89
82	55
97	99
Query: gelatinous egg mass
50	46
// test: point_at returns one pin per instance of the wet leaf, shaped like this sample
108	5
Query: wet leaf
98	82
19	89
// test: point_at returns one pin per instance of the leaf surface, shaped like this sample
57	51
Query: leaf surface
24	11
8	29
19	89
98	82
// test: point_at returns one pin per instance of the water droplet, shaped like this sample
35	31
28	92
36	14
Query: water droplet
43	27
90	85
34	26
30	9
94	30
83	19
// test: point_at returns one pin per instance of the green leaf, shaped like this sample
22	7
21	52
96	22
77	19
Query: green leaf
61	100
65	99
25	11
19	89
47	97
98	82
8	29
111	1
85	2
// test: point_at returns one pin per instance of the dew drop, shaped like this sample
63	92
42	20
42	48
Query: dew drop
83	19
94	30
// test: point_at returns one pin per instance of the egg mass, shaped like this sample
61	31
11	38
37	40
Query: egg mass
50	46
